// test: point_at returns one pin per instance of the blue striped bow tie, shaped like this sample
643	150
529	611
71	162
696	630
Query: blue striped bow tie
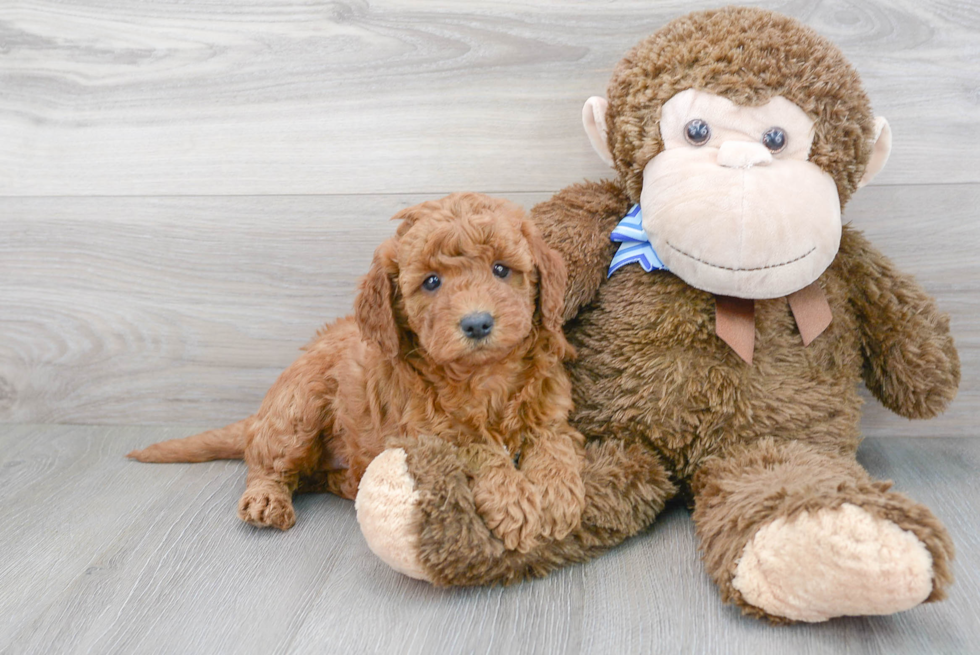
636	244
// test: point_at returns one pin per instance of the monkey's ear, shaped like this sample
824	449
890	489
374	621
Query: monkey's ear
374	309
879	152
594	120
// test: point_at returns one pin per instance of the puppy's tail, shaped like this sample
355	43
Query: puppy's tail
224	443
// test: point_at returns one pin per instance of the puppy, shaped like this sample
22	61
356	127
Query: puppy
457	334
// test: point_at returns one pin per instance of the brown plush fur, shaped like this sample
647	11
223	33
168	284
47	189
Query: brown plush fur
651	374
755	483
402	369
625	489
668	408
750	56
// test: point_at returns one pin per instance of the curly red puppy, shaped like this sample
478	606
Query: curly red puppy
456	334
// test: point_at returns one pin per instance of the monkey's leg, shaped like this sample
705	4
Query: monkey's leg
789	532
418	514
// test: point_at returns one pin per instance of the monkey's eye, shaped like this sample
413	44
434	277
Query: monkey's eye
774	139
431	283
697	132
500	270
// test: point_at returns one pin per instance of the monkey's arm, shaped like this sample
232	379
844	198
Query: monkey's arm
577	222
910	362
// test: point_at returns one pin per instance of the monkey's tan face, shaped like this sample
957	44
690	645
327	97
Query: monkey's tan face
732	205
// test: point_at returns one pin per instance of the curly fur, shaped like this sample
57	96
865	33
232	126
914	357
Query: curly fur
402	368
670	407
674	412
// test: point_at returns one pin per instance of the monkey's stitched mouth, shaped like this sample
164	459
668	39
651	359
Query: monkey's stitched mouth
740	270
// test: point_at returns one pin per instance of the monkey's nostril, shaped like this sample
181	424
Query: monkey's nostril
476	325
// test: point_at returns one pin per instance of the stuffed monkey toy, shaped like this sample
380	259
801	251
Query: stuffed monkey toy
723	318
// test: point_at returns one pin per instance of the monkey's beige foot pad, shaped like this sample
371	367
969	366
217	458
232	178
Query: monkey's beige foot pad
833	562
387	508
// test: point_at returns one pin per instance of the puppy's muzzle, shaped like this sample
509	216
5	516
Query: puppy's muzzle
477	325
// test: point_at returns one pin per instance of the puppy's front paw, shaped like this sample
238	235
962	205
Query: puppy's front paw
511	507
562	502
267	506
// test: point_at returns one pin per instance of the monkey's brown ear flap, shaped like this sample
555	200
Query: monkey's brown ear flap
374	307
594	120
879	152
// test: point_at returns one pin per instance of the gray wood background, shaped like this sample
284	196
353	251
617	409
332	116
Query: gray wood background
189	189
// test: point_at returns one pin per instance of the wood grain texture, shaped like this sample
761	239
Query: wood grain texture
674	608
105	300
109	97
184	310
164	252
104	555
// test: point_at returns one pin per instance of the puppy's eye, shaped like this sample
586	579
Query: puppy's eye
774	139
500	270
697	132
431	283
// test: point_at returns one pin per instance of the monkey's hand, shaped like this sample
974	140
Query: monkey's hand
577	222
911	364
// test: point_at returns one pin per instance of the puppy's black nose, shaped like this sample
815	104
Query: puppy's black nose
476	325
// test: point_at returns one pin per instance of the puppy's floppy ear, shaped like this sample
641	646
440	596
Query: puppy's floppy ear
374	308
552	277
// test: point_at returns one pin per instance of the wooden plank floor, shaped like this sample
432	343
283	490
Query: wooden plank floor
104	555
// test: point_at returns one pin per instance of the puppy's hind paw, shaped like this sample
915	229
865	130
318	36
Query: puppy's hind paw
267	507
